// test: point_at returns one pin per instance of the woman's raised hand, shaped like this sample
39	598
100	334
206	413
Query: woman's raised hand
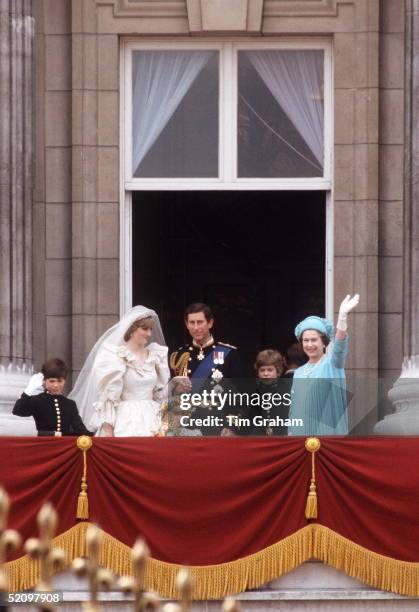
348	304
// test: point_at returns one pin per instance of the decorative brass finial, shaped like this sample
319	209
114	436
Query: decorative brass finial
172	607
184	584
134	585
97	577
40	549
312	444
230	605
9	538
84	443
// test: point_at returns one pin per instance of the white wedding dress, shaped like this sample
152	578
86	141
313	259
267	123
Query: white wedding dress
130	394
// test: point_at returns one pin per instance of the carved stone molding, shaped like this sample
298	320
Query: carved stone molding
208	16
303	8
147	8
203	15
236	16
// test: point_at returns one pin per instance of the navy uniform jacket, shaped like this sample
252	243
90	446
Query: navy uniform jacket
51	413
229	368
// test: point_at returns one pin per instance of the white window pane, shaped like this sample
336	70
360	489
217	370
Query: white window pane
280	114
175	114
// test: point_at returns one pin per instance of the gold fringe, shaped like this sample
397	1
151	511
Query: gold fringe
217	581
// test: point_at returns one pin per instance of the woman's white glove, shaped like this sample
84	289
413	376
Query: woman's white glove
348	304
35	384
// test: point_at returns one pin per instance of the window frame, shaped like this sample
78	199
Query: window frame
227	107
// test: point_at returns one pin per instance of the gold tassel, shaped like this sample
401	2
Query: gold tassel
83	502
311	503
84	443
312	445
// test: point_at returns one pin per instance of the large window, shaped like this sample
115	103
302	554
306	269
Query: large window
227	114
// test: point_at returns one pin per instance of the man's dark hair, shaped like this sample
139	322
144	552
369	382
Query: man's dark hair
295	355
54	368
199	307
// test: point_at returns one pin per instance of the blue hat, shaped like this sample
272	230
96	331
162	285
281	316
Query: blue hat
324	326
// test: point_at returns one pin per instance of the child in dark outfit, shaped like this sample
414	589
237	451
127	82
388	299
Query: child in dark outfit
54	414
269	367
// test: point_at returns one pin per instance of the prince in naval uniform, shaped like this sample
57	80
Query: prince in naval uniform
209	364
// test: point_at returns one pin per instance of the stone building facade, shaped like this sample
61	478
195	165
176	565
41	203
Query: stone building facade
62	213
63	242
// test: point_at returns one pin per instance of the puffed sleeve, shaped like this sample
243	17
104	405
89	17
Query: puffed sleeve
163	373
109	371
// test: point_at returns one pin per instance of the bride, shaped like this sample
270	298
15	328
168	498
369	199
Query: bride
123	382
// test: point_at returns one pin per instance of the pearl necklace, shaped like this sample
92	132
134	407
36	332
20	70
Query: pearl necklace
309	367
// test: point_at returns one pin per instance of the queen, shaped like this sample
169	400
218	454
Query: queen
123	383
318	395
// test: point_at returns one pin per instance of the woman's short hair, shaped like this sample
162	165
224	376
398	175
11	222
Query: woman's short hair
54	368
269	357
145	323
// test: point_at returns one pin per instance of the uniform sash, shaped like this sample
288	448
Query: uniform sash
204	370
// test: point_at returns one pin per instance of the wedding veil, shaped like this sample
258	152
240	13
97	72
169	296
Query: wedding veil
85	392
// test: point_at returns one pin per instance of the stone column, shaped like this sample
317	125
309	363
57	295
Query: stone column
16	176
405	392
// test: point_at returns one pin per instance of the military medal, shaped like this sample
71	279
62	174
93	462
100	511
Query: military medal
217	375
201	354
218	357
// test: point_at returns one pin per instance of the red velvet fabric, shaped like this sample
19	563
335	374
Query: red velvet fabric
37	470
206	501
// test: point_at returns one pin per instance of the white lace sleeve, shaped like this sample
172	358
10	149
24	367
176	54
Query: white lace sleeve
163	372
109	370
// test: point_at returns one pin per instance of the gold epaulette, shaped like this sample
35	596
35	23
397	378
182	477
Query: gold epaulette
228	345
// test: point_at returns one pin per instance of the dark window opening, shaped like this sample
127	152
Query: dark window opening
257	258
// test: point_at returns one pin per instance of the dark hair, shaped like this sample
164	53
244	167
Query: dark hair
325	339
145	323
199	307
54	368
269	357
295	355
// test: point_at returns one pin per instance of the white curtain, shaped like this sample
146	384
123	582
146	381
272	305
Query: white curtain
161	79
295	79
